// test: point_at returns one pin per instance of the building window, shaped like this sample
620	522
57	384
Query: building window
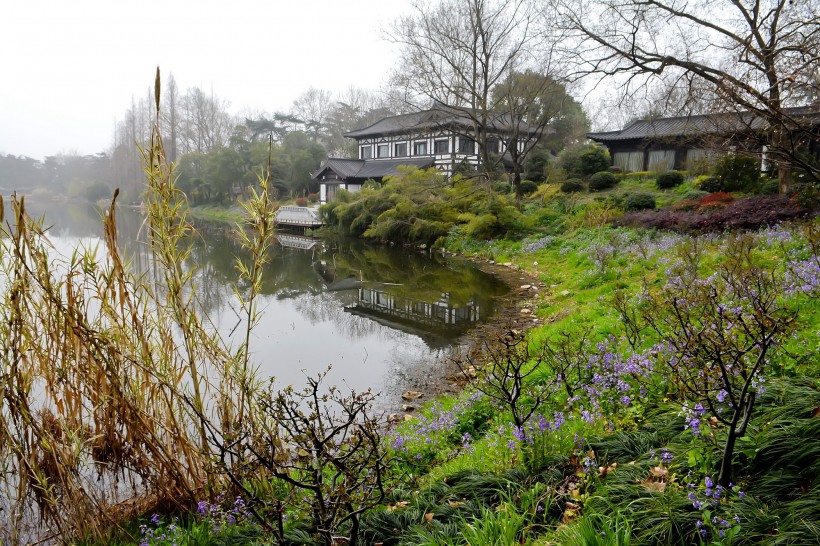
365	152
441	146
661	160
420	148
466	145
401	149
383	150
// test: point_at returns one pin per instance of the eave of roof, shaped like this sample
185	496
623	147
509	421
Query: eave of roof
693	126
379	168
343	167
435	118
362	169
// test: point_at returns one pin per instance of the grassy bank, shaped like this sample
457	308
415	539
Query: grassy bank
620	451
659	386
213	213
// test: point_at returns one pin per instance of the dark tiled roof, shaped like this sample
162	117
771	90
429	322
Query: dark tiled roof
694	125
391	125
371	168
436	117
343	167
680	126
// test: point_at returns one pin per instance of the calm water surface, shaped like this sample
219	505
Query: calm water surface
380	317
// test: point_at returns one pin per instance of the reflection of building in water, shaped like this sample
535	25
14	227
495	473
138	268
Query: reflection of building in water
381	304
296	241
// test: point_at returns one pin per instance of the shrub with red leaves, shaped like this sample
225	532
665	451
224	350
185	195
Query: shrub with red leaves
301	202
717	197
747	213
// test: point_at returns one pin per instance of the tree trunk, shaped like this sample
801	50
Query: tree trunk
784	168
725	477
517	186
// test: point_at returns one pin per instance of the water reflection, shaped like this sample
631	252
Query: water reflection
380	316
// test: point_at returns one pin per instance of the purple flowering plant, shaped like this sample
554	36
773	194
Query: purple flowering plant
718	334
210	519
718	523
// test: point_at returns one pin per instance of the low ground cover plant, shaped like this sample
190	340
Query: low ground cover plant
718	215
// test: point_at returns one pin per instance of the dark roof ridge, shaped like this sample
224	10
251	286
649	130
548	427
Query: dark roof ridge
394	116
789	109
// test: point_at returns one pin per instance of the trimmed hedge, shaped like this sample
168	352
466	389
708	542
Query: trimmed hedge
711	184
528	187
602	180
669	179
639	201
573	185
770	187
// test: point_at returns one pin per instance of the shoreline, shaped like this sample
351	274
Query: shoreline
515	309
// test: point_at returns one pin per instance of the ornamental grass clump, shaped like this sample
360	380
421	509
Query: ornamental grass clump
112	386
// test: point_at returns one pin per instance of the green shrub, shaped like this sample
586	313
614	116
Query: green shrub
669	179
528	187
483	226
572	185
770	187
602	180
709	184
581	162
695	195
639	201
502	187
536	164
738	173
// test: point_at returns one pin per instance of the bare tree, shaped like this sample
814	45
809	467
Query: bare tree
205	124
169	119
458	52
312	108
752	60
354	108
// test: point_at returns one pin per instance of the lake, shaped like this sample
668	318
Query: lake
381	317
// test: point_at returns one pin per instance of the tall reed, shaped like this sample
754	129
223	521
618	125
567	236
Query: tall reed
111	385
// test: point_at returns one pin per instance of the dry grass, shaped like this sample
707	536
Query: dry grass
111	385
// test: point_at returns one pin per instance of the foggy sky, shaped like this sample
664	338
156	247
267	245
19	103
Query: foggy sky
70	69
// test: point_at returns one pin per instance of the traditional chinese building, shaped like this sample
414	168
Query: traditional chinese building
442	137
663	144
